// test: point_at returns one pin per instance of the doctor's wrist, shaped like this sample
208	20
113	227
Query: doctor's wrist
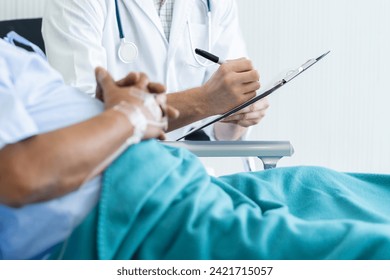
216	101
207	101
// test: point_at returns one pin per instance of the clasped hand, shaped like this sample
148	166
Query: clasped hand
147	97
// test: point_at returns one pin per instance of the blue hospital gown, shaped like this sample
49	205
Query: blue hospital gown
33	100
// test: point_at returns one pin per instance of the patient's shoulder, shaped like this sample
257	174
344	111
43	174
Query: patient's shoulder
17	62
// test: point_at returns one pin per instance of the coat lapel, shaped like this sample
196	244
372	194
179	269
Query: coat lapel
181	12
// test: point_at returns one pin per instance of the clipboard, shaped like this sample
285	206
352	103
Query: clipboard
289	76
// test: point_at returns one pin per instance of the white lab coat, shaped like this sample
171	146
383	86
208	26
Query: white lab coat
82	34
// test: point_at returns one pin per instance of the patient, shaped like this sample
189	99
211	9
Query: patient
74	184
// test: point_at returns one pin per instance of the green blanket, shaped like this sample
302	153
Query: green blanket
158	202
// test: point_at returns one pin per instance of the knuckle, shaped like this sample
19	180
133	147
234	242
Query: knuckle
249	63
224	69
239	61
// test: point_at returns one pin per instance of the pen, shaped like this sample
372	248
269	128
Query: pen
209	56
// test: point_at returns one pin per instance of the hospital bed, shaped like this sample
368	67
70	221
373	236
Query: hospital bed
269	152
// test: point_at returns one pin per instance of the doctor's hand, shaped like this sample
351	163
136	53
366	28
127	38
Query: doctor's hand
250	115
138	94
235	82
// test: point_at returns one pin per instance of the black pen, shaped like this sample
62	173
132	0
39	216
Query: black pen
209	56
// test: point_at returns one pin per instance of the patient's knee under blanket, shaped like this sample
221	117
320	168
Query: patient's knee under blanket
158	202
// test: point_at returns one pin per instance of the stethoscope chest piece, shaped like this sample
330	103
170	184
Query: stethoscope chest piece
128	51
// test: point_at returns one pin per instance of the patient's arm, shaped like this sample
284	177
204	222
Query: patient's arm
55	163
52	164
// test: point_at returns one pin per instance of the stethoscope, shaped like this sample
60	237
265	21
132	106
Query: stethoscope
128	51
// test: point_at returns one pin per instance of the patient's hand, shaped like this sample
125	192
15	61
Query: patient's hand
136	90
135	79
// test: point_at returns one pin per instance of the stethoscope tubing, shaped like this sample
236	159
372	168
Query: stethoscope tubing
124	42
119	20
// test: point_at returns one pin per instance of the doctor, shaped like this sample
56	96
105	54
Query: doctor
158	38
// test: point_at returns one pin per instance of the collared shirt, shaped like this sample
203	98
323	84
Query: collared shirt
165	12
34	100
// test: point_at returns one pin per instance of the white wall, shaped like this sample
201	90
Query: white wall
12	9
336	114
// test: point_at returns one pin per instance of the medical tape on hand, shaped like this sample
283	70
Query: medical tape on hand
154	108
136	118
139	122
